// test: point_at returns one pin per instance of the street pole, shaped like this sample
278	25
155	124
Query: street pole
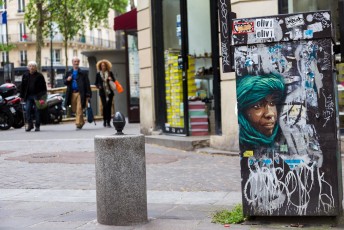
51	58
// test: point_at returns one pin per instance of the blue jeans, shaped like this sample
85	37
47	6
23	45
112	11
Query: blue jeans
30	102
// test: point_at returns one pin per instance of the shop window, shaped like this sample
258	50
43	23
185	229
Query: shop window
294	6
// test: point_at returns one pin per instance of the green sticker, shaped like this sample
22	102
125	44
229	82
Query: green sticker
284	148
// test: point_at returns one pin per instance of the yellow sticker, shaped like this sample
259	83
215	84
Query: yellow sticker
248	153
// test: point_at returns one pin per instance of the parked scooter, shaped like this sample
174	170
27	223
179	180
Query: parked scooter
53	114
56	110
6	117
9	93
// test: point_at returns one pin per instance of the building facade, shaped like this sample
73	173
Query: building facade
184	89
53	53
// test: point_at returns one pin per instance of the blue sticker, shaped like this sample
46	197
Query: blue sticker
308	34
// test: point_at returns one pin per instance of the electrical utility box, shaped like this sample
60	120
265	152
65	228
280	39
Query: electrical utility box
288	115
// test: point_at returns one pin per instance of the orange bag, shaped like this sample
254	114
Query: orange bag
119	87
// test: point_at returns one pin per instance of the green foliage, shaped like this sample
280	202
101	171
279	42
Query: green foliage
6	48
37	15
234	216
69	16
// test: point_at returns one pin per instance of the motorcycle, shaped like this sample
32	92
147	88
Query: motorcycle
9	93
53	114
6	117
56	110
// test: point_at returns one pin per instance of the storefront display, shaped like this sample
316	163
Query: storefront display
188	67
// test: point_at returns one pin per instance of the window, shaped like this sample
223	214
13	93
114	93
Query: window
3	6
75	53
84	60
21	6
294	6
23	58
57	56
4	58
92	37
107	43
99	37
22	32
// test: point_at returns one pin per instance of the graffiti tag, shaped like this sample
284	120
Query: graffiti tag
296	20
329	108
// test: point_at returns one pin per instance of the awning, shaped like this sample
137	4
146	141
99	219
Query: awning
126	21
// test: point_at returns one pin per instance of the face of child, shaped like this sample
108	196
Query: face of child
263	115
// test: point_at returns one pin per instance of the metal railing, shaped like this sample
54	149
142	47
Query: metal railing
31	38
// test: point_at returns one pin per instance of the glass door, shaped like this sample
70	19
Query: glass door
174	69
200	69
188	68
134	78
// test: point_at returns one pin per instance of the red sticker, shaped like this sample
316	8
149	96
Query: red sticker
243	27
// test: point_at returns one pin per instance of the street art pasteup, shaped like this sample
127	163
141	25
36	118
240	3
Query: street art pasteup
287	114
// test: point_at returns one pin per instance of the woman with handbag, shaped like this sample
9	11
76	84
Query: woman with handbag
33	90
105	83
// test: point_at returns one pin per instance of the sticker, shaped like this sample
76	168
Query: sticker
284	148
296	20
264	23
308	34
315	27
248	153
243	27
264	28
265	33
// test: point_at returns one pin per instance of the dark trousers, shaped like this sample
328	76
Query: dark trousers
30	102
107	105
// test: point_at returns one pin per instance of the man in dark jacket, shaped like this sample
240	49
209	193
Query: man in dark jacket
78	91
33	87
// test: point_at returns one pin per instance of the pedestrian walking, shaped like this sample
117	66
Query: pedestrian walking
105	83
33	87
78	91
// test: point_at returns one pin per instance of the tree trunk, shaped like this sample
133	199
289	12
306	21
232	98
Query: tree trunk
39	35
132	4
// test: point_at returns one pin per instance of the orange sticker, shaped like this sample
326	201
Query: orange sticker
243	27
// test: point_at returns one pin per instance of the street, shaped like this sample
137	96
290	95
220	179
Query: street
48	182
49	176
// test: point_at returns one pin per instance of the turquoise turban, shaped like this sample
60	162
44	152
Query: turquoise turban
250	90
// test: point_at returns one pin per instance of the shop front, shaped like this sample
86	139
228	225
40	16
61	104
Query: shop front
186	60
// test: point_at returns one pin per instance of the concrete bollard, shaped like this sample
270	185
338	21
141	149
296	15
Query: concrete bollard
121	180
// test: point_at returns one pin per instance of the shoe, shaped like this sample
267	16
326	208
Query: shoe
108	125
29	127
104	124
37	129
79	127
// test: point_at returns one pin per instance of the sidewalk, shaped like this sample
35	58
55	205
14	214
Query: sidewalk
48	182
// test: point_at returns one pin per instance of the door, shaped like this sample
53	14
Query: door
188	74
134	80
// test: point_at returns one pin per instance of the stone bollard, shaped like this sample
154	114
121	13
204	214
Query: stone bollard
121	180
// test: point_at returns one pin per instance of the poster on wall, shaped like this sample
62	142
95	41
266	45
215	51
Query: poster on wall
287	114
